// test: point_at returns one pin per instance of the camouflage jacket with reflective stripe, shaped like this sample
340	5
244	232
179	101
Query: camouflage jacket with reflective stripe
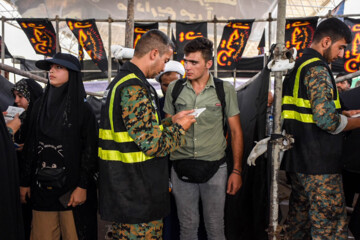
133	187
315	151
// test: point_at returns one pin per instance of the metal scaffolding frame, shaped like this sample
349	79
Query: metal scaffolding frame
274	228
111	20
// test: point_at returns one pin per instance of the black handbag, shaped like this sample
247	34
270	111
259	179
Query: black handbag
196	171
50	178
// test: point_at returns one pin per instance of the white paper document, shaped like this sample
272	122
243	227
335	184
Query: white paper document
197	112
11	112
356	115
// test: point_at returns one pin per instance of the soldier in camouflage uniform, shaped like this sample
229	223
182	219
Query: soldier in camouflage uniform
312	114
133	143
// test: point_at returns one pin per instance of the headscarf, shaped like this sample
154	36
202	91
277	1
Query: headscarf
61	106
31	90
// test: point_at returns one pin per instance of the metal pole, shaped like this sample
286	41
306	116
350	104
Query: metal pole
269	40
33	76
109	51
193	21
247	83
348	76
57	34
168	27
13	60
275	163
215	48
234	75
3	43
129	29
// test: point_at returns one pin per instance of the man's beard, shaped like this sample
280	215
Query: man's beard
327	55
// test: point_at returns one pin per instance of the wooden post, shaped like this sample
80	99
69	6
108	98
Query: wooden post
57	33
129	30
215	48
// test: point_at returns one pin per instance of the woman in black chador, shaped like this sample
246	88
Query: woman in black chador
26	92
61	156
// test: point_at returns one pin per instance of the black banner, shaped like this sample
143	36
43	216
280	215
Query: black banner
89	38
261	45
41	35
299	33
233	42
247	213
186	32
141	28
352	52
7	53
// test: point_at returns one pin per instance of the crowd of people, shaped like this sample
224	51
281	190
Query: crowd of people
184	150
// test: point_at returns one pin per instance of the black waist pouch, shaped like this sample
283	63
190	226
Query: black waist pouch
196	171
50	178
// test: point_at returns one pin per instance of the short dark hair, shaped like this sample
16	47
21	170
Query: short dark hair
204	45
153	39
333	28
343	74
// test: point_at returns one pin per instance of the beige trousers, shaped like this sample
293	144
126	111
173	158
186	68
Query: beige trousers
52	225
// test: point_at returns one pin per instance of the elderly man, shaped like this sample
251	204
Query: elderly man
173	71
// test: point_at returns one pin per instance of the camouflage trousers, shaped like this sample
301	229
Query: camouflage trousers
142	231
317	207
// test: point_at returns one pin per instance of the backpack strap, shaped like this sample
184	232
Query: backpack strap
179	85
219	87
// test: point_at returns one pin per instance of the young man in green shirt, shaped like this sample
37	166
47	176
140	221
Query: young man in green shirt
203	155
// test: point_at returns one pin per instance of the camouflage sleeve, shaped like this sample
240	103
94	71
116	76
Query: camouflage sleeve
140	121
166	122
321	94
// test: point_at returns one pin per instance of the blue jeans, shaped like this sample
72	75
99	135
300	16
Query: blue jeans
212	194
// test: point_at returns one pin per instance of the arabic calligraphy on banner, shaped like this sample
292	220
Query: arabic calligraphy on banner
299	33
352	52
41	35
141	28
191	10
186	32
233	41
89	38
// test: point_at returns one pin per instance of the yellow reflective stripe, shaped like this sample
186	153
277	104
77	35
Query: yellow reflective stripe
337	101
120	137
302	117
113	155
127	77
297	78
299	102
